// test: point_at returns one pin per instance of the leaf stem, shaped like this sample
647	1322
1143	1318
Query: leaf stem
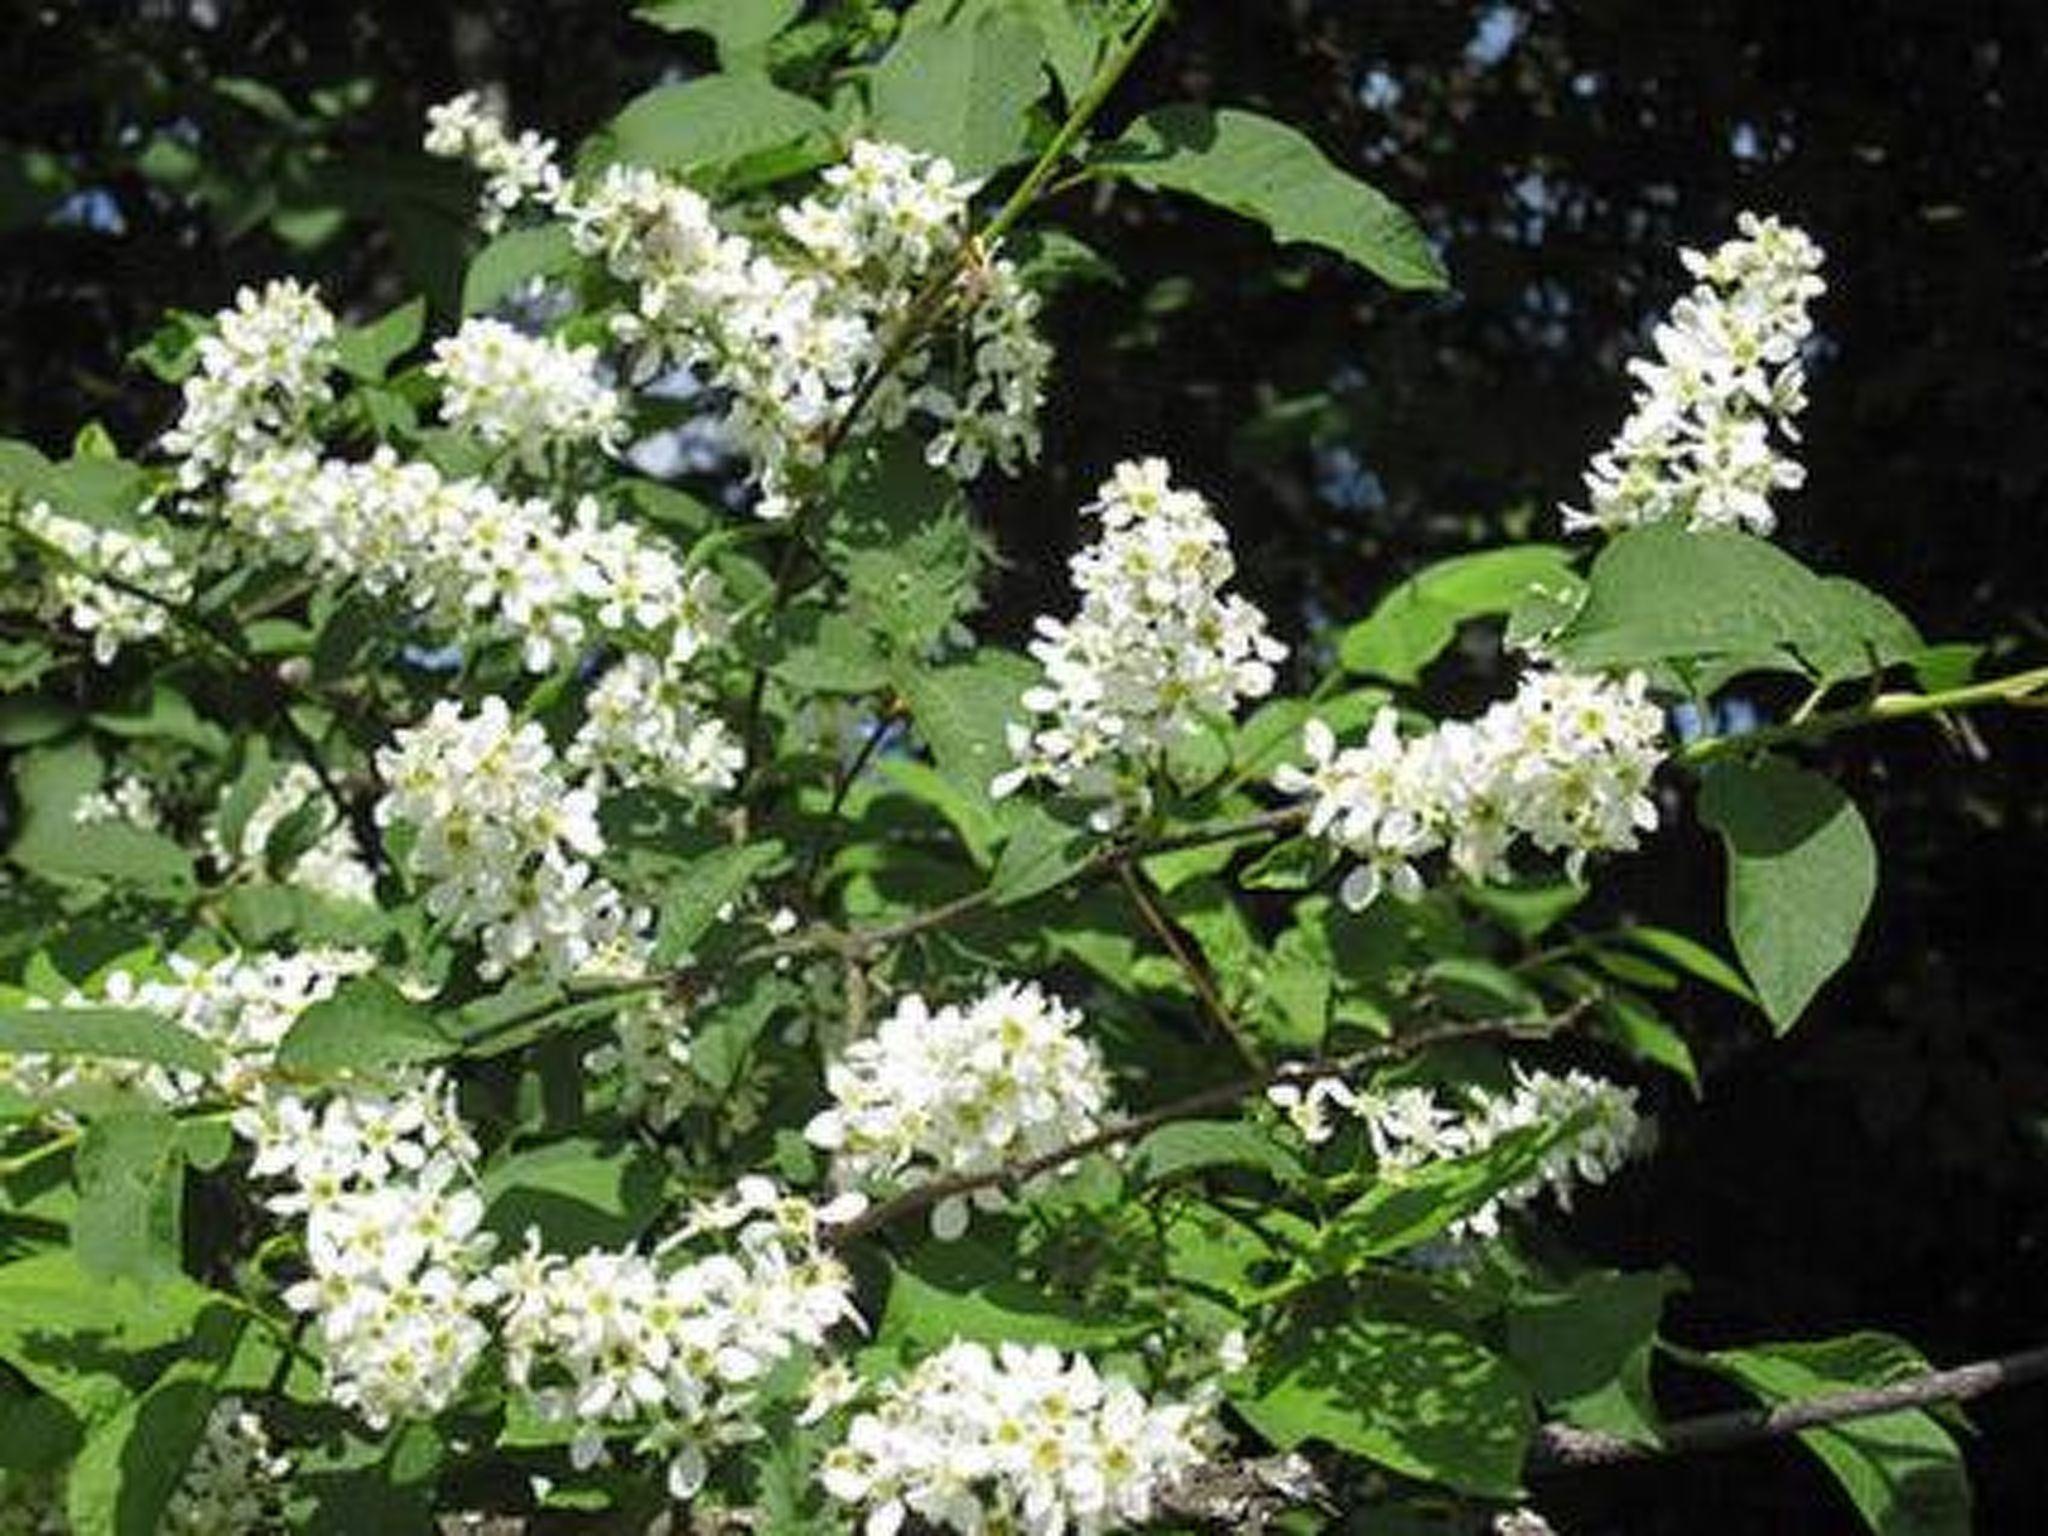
2018	688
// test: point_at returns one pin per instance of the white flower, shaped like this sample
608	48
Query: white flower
1698	444
235	1481
329	866
1015	1439
528	393
262	371
643	724
516	170
115	586
961	1091
127	801
1156	652
1566	763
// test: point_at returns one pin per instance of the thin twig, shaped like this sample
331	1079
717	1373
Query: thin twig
1564	1447
1191	966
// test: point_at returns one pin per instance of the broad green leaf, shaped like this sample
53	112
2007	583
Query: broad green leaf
1586	1350
513	259
1802	872
969	1289
1406	1208
708	124
962	711
1644	1033
365	1027
972	816
49	782
1042	851
1271	735
1691	957
1662	595
901	539
368	351
723	1037
738	27
1903	1471
167	716
963	89
1268	172
1413	624
86	1341
130	1466
1424	1401
119	1034
577	1193
827	652
131	1197
704	888
1188	1146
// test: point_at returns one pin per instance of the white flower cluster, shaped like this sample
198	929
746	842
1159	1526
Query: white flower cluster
127	801
1697	445
1018	1439
242	1006
516	170
643	724
262	370
330	867
649	1055
529	393
1566	763
961	1090
234	1482
1156	652
77	587
673	1350
504	842
396	1282
794	337
1412	1126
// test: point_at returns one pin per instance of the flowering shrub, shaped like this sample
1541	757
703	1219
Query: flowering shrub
533	993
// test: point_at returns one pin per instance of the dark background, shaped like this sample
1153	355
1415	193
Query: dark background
1882	1168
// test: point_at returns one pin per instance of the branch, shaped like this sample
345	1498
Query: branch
1564	1448
1141	894
1223	1096
2018	689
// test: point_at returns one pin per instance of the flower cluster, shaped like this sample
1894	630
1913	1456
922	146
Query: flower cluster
1017	1439
1412	1126
1698	445
794	334
396	1282
329	866
1566	763
516	170
667	1348
1156	652
468	557
643	724
503	842
241	1006
529	393
127	801
234	1481
113	585
262	370
961	1090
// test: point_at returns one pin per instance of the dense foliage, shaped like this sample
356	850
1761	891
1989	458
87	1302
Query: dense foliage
541	989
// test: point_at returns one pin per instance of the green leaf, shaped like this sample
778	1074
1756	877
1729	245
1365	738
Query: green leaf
963	89
131	1197
708	124
704	887
1271	735
1802	872
1406	1208
578	1193
1644	1033
365	1027
368	351
1903	1471
130	1466
1265	171
120	1034
827	652
1188	1146
1422	1400
87	1342
738	27
962	711
511	260
167	716
1413	624
1586	1350
50	781
1663	595
901	539
1693	958
1042	851
968	1289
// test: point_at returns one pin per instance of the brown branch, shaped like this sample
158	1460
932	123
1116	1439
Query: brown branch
1564	1447
1222	1096
1140	890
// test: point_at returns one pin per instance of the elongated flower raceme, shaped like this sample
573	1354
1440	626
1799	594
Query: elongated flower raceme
961	1090
117	586
1701	444
262	371
529	393
1566	764
1157	651
1015	1439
